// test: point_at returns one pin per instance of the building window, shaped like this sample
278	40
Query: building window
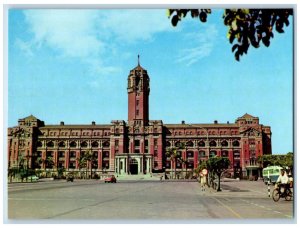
84	144
190	165
213	143
190	154
136	142
95	144
117	143
212	153
236	154
73	144
61	154
72	165
50	144
201	144
39	144
168	164
224	153
201	154
72	154
155	142
106	154
105	164
224	143
190	144
168	144
177	144
155	153
61	144
236	143
178	165
106	144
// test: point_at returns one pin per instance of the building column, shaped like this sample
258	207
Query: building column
141	165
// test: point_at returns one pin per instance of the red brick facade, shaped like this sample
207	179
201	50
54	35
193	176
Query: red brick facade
139	145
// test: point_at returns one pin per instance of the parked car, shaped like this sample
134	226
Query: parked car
110	179
70	177
33	178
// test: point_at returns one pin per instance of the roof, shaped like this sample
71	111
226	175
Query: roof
218	125
247	116
86	126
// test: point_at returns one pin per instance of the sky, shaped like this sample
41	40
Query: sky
72	66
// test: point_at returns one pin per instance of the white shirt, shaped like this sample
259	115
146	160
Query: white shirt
283	179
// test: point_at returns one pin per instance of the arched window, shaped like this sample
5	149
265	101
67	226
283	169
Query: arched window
50	144
224	143
201	144
235	143
168	144
213	143
84	144
190	144
177	144
39	144
73	144
106	144
62	144
95	144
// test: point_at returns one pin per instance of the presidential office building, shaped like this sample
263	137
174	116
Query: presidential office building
138	146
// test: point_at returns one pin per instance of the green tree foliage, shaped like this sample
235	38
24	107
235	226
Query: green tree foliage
86	160
174	156
280	160
217	165
245	26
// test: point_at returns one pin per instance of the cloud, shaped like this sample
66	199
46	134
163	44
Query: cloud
135	24
25	47
93	36
199	45
70	31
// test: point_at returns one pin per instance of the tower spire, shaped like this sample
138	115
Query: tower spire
138	59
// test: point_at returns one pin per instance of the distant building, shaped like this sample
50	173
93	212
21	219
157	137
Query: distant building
139	145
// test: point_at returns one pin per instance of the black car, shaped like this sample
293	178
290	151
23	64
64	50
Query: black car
70	178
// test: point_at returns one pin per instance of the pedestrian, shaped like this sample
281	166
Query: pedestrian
202	181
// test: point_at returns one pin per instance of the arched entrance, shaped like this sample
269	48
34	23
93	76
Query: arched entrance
134	166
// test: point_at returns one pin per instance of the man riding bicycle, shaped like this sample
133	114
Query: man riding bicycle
283	181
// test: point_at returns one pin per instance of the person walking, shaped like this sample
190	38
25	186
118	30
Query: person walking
202	181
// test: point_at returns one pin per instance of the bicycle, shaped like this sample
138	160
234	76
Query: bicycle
277	194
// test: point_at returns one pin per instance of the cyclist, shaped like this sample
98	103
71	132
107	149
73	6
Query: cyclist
283	180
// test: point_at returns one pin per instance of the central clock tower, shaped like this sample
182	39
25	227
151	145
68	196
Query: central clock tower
138	95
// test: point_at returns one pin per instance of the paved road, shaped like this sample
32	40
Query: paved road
144	201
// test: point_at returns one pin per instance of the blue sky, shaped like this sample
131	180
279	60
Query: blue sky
72	66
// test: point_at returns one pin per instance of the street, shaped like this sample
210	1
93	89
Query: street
144	201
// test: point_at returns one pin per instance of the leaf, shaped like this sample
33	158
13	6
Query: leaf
232	37
175	20
237	56
202	16
266	41
234	47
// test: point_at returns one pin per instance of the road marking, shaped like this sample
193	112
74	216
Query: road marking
266	208
43	199
229	208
